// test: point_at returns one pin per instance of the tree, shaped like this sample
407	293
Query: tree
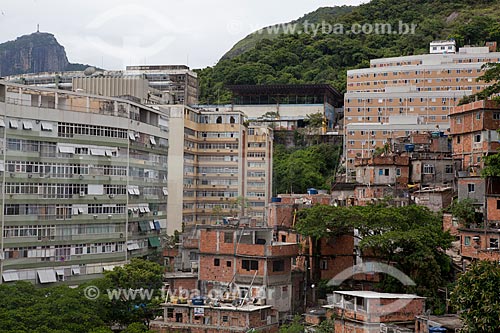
491	166
491	74
464	211
476	297
141	278
294	327
26	308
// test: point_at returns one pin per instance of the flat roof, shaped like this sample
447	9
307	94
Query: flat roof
373	294
283	89
448	321
223	307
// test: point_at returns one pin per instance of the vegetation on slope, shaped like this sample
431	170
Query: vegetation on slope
325	58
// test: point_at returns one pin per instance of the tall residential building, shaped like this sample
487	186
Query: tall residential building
220	163
401	95
178	80
84	183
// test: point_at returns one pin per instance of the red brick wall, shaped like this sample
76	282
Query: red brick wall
492	210
449	225
209	272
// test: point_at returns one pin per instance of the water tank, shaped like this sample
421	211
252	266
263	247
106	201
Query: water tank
312	191
409	147
275	199
437	329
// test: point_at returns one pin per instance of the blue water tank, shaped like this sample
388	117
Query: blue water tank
275	199
409	147
312	191
437	329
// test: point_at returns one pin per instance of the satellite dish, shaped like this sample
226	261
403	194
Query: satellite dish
89	71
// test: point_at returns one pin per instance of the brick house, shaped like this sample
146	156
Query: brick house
209	318
364	311
250	258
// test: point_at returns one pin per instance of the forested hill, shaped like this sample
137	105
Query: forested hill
261	58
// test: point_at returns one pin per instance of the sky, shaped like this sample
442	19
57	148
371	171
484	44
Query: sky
114	33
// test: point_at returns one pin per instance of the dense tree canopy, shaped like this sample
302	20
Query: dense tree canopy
477	295
297	169
61	309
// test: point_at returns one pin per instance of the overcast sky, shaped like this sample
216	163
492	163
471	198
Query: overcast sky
115	33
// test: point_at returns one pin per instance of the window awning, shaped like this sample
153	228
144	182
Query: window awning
47	276
75	270
27	125
47	126
157	225
13	123
152	225
109	153
165	191
136	190
66	149
131	191
133	246
152	140
144	226
108	268
2	166
97	152
10	276
154	241
146	209
2	123
142	210
60	271
131	136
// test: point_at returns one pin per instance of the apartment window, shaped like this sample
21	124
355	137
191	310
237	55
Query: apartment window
216	262
228	237
178	317
478	115
448	168
494	243
498	204
496	116
477	138
471	188
250	265
398	172
170	313
324	264
467	240
458	139
278	266
228	263
428	169
225	319
383	172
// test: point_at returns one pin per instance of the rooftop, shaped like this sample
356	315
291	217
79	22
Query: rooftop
373	294
224	307
448	321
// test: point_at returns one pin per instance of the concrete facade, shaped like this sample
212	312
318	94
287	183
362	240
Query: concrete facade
84	181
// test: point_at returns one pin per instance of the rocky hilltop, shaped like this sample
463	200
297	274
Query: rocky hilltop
37	52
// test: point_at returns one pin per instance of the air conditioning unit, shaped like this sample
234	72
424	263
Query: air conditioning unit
111	196
82	194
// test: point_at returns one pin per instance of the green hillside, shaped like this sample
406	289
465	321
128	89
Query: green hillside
324	58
